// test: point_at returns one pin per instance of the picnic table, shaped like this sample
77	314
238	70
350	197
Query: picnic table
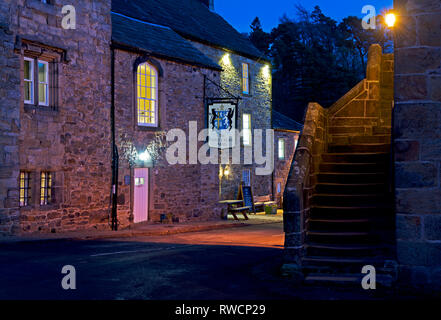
233	208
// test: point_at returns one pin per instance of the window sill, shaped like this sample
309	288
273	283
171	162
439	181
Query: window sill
148	129
47	110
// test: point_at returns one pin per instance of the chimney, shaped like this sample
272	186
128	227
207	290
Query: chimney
208	3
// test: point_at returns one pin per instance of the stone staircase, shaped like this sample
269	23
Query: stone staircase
338	205
351	218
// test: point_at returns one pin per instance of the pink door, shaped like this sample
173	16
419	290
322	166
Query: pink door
141	203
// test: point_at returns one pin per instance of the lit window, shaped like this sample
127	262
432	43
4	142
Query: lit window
37	90
25	194
43	84
281	149
245	78
28	80
147	95
246	127
45	188
279	187
246	177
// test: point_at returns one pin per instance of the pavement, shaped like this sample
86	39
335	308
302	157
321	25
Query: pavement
219	264
148	229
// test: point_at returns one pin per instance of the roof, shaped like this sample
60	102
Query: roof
283	122
161	41
192	20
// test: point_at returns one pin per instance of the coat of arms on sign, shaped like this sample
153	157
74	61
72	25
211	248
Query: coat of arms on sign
222	124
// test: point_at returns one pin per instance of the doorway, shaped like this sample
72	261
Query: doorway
141	195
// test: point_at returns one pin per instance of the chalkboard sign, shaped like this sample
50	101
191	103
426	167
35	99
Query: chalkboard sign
247	197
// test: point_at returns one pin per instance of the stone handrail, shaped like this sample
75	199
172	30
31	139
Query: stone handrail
312	144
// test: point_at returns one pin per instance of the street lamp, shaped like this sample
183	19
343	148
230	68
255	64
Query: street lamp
390	19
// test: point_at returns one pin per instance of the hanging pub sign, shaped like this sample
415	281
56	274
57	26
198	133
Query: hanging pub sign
222	120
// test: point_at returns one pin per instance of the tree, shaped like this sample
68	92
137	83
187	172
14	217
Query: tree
258	37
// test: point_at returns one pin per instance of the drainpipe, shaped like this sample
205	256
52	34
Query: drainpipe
114	214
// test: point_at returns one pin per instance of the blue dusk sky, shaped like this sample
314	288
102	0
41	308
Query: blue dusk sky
240	13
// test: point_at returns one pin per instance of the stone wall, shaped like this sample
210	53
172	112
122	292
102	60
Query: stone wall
190	191
72	138
282	167
9	119
257	103
417	127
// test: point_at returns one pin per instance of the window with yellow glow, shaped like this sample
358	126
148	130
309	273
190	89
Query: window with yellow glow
25	194
281	149
245	78
45	188
147	95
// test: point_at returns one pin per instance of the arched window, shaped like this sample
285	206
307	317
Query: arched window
147	95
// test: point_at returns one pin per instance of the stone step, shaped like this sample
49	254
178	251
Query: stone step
338	188
374	157
368	212
347	237
346	279
347	130
359	148
340	225
349	200
353	167
345	139
352	250
351	178
353	122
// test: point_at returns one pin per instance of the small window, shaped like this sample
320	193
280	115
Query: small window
43	83
246	127
279	187
36	90
147	95
45	188
246	177
281	149
245	78
25	190
28	80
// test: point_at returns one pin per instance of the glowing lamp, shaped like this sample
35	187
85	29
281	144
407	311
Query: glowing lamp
390	19
227	171
145	156
226	59
266	71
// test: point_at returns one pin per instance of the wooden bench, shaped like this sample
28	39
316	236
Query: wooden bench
262	201
243	210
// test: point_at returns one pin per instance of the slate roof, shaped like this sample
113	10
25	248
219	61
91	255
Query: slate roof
192	20
283	122
158	40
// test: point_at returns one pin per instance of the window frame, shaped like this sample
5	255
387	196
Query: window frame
46	185
156	99
248	171
31	80
245	78
25	199
248	131
281	144
46	84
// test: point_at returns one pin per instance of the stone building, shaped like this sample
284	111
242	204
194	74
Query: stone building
286	136
55	115
143	70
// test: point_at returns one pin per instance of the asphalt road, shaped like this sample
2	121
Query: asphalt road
238	263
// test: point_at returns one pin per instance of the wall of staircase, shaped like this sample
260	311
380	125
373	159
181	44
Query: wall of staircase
338	209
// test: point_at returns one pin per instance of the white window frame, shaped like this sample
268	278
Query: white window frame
31	80
156	113
245	78
282	148
247	131
46	84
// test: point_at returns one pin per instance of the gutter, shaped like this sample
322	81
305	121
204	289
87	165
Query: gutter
115	158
